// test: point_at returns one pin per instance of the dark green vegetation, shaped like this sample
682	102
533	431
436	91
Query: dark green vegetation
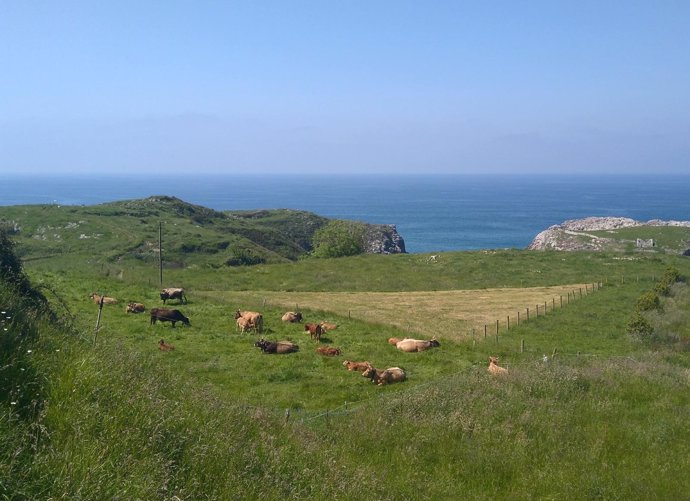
605	418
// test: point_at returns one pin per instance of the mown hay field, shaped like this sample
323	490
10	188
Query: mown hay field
453	313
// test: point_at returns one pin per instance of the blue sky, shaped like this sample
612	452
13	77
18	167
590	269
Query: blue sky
345	86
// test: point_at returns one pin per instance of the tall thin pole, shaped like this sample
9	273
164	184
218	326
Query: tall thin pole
160	251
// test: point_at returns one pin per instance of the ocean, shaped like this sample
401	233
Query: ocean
431	212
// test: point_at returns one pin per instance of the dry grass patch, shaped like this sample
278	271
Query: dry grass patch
454	313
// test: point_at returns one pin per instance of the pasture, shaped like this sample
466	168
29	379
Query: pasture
585	411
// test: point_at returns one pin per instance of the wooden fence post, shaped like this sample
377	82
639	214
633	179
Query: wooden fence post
522	346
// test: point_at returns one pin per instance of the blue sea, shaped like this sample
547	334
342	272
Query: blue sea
432	213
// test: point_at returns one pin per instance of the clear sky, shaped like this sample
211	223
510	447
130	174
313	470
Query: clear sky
371	86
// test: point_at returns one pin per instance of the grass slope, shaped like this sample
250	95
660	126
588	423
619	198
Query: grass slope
585	412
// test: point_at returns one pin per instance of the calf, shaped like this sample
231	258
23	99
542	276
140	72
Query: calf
495	369
166	315
315	331
135	308
327	326
254	320
356	366
328	351
163	346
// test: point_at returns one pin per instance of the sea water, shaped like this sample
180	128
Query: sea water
431	212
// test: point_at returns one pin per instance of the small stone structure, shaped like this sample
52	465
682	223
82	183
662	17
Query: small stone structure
645	243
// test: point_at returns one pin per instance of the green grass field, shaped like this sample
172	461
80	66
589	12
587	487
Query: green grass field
587	411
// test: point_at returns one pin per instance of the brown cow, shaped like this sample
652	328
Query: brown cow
315	331
412	345
328	351
495	369
327	326
394	340
280	347
135	308
166	315
256	320
292	317
173	293
381	377
356	366
96	298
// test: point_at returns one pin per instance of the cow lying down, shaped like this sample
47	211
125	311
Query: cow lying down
166	315
278	347
381	377
412	345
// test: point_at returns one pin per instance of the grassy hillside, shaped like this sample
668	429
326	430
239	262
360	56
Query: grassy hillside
586	411
129	230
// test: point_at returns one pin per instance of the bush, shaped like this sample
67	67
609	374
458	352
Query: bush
639	327
242	256
670	277
338	239
648	301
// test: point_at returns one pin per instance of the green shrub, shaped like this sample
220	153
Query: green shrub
639	327
243	256
338	239
648	301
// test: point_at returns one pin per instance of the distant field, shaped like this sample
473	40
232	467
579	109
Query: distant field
451	313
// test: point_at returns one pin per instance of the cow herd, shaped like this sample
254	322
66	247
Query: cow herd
247	321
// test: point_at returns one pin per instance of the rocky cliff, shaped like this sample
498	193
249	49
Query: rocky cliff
577	234
383	239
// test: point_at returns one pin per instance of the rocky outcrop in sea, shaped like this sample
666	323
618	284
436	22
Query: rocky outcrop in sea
576	234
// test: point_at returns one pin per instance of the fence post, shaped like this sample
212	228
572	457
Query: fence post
518	318
528	314
508	322
484	332
522	346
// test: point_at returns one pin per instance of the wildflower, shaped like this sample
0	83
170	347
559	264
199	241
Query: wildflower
13	403
28	351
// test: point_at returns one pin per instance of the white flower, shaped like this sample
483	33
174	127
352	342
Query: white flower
13	403
28	351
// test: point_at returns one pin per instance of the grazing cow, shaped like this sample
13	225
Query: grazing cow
292	317
390	375
166	315
327	326
96	298
496	369
328	351
135	308
254	320
356	366
279	347
412	345
173	293
394	340
163	346
315	331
